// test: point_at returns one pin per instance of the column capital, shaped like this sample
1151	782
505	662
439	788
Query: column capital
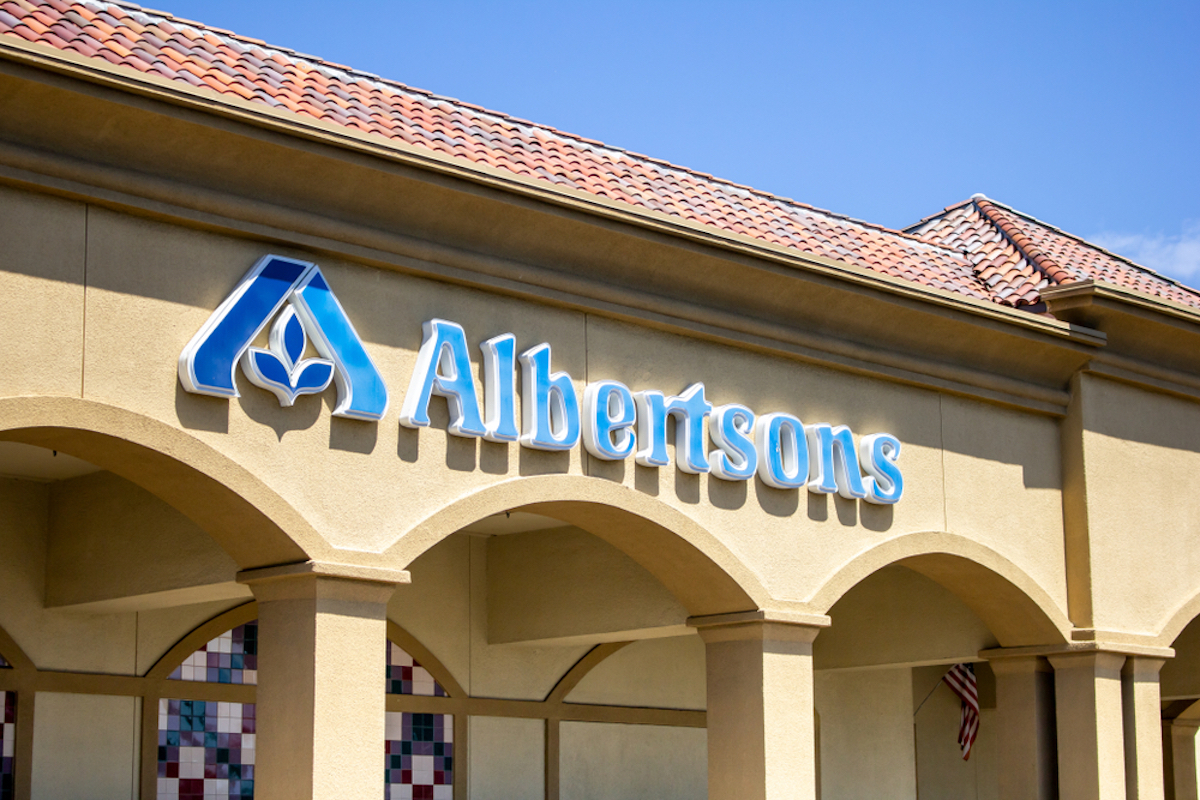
1101	660
1018	664
1143	667
765	625
324	579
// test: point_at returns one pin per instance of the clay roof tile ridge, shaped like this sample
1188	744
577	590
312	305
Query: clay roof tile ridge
1093	246
1033	254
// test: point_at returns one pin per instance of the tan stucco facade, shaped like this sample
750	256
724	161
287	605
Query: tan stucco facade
603	629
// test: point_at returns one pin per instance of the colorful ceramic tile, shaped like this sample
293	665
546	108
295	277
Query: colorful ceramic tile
205	750
420	757
232	657
406	676
8	741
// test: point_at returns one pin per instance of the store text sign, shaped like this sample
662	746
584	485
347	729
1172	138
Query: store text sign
612	421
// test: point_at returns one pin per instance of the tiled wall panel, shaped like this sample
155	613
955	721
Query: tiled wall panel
205	750
8	741
232	657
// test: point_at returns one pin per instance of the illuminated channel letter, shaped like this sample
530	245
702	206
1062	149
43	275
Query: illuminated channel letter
735	458
549	406
689	410
884	483
782	454
833	463
443	368
651	429
608	409
500	388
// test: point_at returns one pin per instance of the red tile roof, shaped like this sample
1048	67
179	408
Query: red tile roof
997	255
1016	255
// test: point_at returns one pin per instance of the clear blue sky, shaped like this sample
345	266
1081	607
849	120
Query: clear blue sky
1084	114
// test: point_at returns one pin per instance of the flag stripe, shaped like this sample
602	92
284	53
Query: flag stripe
961	680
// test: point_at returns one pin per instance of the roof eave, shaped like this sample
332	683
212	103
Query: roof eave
128	79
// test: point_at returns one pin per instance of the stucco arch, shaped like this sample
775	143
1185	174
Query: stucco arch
1178	620
245	517
691	562
1012	604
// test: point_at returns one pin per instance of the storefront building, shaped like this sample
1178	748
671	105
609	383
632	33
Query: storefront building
364	442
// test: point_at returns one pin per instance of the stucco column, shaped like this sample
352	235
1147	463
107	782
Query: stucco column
1179	742
761	731
322	633
1143	728
1091	739
1025	727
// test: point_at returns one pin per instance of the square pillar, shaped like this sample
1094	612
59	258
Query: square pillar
1143	728
761	730
322	633
1091	739
1179	744
1025	727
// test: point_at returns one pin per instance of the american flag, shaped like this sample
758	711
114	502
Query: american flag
961	679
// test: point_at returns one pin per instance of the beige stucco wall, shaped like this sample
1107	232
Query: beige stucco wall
897	616
866	734
43	266
109	538
626	762
84	747
1140	448
655	673
150	286
446	608
53	639
564	583
507	758
1180	676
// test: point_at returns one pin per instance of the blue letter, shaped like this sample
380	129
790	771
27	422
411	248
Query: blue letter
833	464
549	405
879	452
500	388
651	429
689	410
445	346
782	455
736	459
608	408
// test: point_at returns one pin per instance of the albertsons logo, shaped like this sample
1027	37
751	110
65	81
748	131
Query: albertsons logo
295	295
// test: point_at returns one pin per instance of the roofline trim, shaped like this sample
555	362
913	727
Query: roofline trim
155	87
1092	289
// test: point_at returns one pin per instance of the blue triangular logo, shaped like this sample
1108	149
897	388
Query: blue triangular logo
296	296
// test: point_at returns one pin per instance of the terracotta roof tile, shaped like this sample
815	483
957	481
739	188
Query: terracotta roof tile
979	250
1017	255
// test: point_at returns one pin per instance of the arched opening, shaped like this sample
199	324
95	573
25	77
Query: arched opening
551	603
119	532
249	521
690	562
901	619
1179	686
